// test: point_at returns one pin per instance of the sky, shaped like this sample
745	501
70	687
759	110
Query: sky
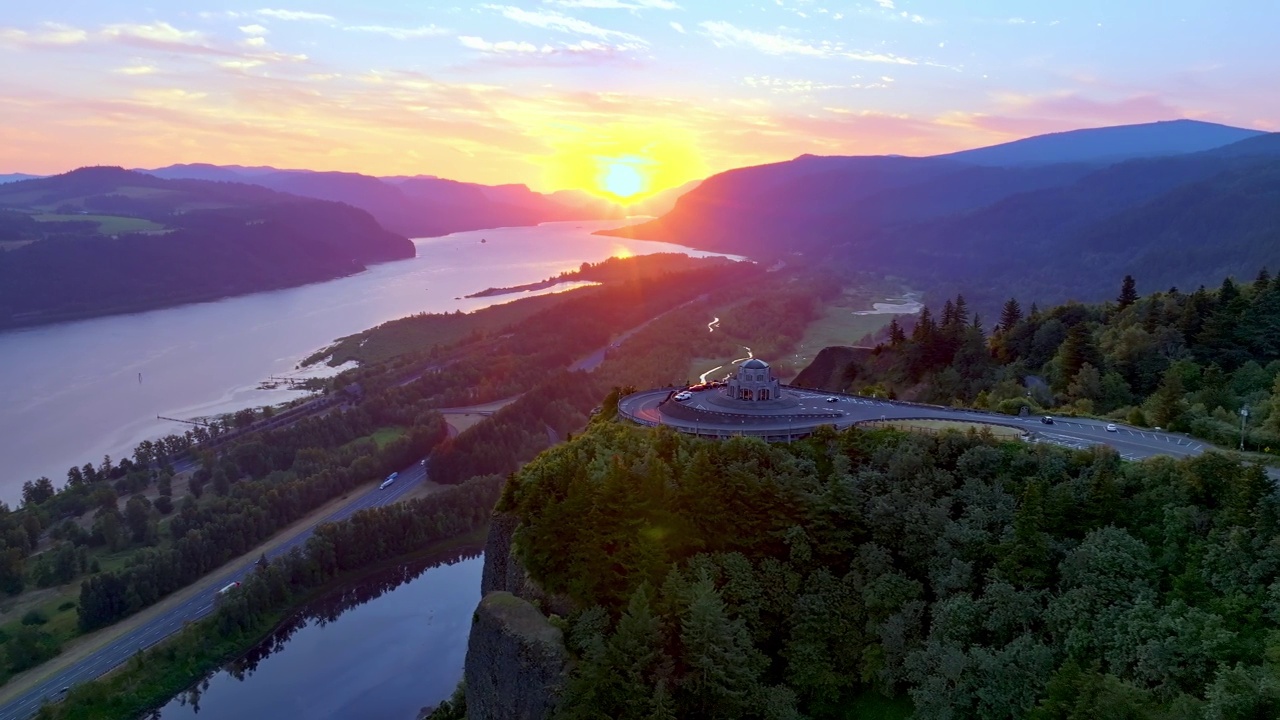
635	95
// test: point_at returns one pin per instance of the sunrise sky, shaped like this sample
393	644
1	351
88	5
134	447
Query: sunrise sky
558	93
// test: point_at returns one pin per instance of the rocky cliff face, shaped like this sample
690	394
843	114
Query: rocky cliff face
516	661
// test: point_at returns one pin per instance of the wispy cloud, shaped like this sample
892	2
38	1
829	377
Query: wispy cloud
399	33
294	15
136	70
48	34
551	20
253	30
678	27
503	47
616	4
725	34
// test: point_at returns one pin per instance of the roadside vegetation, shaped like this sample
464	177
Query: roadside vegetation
1187	362
337	554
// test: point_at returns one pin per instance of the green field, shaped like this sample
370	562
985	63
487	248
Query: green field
386	436
107	224
839	326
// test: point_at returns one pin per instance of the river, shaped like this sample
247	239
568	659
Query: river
73	392
347	657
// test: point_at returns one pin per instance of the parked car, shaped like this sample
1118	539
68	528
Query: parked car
1047	420
1111	427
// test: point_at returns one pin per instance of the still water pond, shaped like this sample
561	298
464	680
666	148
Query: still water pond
383	649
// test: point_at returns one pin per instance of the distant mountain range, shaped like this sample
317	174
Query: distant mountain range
427	206
1047	218
103	240
15	177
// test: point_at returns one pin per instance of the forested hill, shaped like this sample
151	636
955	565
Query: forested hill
98	241
877	574
1042	222
1185	361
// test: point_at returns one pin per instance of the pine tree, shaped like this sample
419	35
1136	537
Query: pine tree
896	335
1010	315
1263	281
722	665
1077	350
948	313
1128	292
961	311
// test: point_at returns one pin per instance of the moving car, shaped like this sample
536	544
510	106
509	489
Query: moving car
833	399
1047	420
684	395
1111	427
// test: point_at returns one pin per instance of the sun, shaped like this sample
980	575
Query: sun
622	162
622	179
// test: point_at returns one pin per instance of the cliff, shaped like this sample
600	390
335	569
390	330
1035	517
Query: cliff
516	659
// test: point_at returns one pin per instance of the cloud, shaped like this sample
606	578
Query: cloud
49	34
253	30
136	70
255	42
294	15
550	20
886	4
616	4
678	27
241	64
502	47
725	34
400	33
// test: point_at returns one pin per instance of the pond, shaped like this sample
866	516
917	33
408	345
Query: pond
386	648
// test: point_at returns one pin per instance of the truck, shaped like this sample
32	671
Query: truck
223	592
390	479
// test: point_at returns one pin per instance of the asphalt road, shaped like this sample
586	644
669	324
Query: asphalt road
1131	443
118	652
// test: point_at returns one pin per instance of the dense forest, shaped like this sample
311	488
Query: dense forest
953	575
1185	361
97	241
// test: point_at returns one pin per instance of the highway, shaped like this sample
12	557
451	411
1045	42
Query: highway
157	629
1132	443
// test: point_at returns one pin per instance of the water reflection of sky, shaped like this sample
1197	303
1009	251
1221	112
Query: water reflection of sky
382	650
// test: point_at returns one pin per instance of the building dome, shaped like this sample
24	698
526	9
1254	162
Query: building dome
754	381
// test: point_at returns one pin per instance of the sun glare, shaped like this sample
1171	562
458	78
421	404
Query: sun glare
623	179
623	163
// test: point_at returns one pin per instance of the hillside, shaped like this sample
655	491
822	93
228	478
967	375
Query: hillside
427	206
966	222
1111	144
98	241
881	574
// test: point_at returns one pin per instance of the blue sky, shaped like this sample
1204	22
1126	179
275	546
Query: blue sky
541	92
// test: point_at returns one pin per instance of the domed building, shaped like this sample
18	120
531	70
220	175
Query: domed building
754	381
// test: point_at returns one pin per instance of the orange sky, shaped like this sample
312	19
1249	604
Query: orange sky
567	93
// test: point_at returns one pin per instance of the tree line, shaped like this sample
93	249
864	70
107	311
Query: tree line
1186	361
372	536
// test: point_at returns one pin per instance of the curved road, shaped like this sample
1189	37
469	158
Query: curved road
1131	443
157	629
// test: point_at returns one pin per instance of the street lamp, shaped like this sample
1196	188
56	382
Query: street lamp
1244	417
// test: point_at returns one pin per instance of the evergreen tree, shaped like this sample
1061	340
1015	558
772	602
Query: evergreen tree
961	311
1077	350
1263	282
722	666
1010	315
1128	292
896	335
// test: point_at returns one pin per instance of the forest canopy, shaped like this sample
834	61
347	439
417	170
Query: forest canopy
952	574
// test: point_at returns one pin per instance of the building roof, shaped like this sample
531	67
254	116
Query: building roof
755	364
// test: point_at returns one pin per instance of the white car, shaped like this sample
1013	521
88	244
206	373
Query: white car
1111	427
684	395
